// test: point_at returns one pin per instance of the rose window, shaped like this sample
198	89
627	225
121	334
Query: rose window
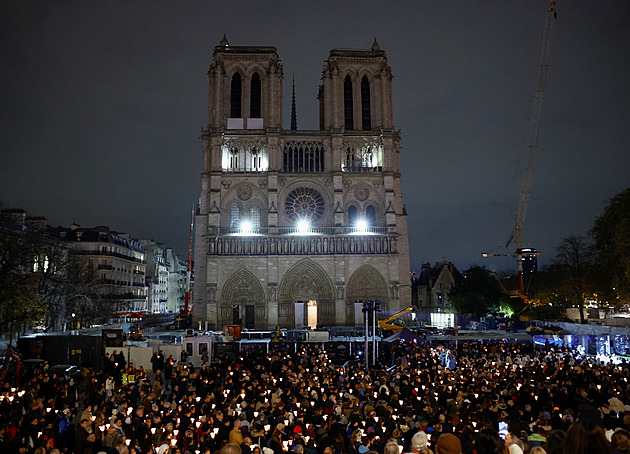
304	203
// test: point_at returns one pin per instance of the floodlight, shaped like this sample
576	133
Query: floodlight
246	227
303	226
361	225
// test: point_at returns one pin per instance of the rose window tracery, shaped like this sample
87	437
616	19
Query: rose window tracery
304	203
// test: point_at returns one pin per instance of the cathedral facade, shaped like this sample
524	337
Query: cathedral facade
296	227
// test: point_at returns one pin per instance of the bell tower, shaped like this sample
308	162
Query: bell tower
356	91
245	88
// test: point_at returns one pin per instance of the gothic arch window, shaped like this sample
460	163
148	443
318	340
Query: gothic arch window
255	97
370	216
234	152
235	215
254	216
235	96
349	158
365	104
256	159
352	216
303	157
348	108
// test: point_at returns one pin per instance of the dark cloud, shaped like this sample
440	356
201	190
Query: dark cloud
103	104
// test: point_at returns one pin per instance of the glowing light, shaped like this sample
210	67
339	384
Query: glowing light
361	226
303	226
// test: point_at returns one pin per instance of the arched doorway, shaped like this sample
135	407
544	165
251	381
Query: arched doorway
242	301
366	283
306	294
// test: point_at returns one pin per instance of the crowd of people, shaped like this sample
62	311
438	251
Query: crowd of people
491	397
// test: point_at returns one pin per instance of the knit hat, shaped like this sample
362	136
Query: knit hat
448	444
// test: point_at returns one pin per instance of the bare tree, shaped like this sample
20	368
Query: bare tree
575	257
20	304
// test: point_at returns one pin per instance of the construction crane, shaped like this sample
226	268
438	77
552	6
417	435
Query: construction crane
387	324
187	302
518	235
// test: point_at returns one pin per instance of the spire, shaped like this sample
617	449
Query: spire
224	41
293	110
375	46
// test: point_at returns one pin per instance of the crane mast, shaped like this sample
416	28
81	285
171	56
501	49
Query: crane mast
534	128
518	234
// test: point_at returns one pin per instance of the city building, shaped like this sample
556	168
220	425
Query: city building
178	282
296	227
119	262
156	277
430	292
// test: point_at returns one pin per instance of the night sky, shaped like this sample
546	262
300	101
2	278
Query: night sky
103	104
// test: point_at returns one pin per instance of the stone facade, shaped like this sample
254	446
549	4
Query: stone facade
118	261
256	264
431	289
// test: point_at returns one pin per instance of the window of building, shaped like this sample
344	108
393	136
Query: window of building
303	158
235	215
256	159
370	215
365	104
347	104
349	158
254	216
234	158
235	96
255	97
352	216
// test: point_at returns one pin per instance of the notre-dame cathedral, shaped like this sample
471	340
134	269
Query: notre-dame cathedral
294	227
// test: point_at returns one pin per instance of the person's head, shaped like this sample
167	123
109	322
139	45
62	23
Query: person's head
391	448
448	444
620	440
419	441
555	440
299	449
538	450
488	441
585	437
231	448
